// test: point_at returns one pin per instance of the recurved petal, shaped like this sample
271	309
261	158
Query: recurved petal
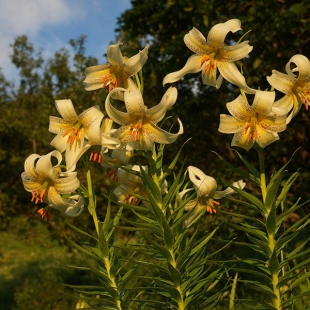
239	109
236	52
228	191
203	184
229	124
230	72
72	207
217	34
45	166
30	168
68	184
157	113
193	65
66	109
134	103
30	184
263	101
114	55
96	75
159	135
197	43
117	116
282	82
135	63
303	66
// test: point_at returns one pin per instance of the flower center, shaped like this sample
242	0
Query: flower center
211	208
39	193
251	129
74	133
136	131
304	95
210	62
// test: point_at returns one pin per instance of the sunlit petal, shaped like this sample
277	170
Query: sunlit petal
135	63
217	34
66	109
193	65
230	73
229	124
157	113
114	55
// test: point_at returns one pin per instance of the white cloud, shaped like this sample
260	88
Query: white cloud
18	17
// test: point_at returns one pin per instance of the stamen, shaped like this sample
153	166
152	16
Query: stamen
203	59
106	80
113	84
211	207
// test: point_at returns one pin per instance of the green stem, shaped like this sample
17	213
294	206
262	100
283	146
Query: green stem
262	173
92	203
181	305
275	278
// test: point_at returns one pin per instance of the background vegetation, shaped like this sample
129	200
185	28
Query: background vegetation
29	248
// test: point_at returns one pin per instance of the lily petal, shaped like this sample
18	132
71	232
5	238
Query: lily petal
263	101
192	66
229	124
157	113
303	66
230	72
161	136
66	109
135	63
218	33
117	116
114	55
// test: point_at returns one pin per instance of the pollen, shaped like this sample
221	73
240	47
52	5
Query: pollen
73	134
211	65
211	208
304	96
136	131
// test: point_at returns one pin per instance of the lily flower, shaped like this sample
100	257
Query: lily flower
213	55
130	186
258	123
72	130
48	183
295	85
205	187
139	128
118	70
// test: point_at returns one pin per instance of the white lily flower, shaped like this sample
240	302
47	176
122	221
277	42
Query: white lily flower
130	184
139	128
48	183
205	188
259	123
295	85
72	130
118	70
212	55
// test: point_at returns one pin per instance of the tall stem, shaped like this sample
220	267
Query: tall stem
273	261
262	173
92	203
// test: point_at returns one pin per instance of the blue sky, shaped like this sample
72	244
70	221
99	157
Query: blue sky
50	24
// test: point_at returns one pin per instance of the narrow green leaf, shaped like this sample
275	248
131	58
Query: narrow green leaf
203	242
261	244
81	231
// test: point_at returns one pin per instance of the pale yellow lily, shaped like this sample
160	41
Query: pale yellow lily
118	70
131	186
139	129
258	123
295	85
205	187
48	183
75	134
213	55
